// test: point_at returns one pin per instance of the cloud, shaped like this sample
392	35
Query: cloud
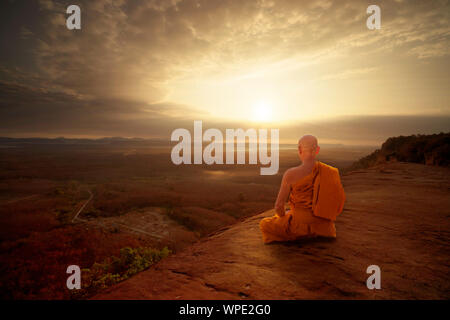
28	112
372	130
348	73
131	49
119	66
25	110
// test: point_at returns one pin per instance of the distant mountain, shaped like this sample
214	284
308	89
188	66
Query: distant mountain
431	149
62	140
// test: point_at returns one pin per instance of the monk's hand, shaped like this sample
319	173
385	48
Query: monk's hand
281	213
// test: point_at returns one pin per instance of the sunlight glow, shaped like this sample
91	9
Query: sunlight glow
261	112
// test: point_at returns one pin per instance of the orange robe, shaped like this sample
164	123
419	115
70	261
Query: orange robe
315	201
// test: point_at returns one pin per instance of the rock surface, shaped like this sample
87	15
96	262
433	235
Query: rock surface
397	216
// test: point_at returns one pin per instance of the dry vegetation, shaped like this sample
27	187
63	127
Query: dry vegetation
141	204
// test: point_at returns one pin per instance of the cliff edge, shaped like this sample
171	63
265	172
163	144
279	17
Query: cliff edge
396	216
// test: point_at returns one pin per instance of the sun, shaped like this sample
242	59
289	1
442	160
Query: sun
261	111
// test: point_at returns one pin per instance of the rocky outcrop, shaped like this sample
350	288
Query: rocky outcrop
396	217
425	149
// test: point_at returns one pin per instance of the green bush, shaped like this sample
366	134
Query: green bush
115	269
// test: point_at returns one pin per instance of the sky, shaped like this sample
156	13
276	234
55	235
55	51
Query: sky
145	68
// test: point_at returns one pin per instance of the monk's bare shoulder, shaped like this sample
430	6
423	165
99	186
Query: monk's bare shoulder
292	175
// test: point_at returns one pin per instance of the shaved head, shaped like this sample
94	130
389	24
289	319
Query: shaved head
308	142
308	148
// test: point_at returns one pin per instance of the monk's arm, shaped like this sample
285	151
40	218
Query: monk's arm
283	195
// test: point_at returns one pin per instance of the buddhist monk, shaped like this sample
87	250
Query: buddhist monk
315	195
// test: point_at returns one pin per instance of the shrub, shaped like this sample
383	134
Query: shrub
115	269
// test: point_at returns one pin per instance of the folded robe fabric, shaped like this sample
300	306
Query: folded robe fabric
315	201
328	196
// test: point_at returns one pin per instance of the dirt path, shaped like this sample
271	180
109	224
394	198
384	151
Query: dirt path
105	224
396	217
75	218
